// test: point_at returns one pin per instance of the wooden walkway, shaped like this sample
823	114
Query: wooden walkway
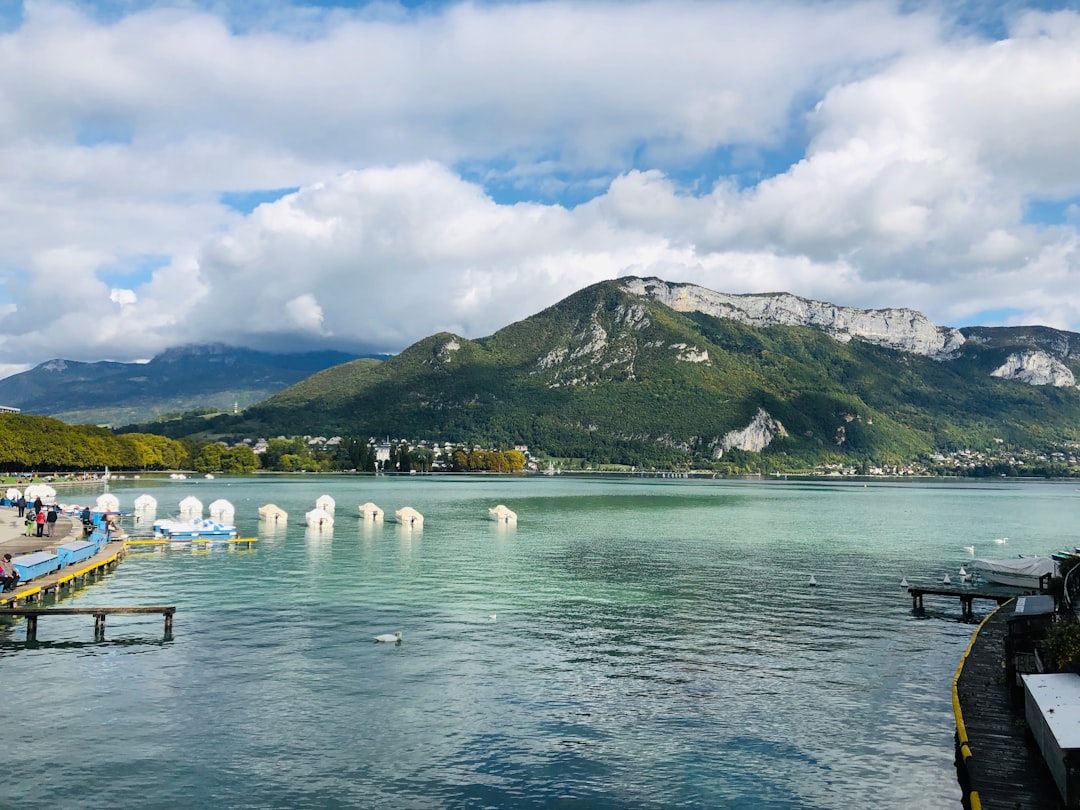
55	582
999	767
967	596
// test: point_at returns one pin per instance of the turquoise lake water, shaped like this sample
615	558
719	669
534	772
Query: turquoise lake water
655	645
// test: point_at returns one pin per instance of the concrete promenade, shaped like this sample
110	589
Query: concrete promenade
13	539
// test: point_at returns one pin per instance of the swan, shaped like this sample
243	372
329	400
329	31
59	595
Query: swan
1000	540
390	638
970	550
493	616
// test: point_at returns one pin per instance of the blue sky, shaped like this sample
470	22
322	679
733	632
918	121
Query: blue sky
295	175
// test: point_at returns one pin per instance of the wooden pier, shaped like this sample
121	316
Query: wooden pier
55	582
967	597
99	613
998	767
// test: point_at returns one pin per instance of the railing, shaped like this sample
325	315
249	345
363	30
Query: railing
1071	588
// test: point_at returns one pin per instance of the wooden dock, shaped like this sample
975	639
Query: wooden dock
967	596
62	578
99	613
998	767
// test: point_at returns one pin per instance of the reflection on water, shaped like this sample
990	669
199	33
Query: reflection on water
656	644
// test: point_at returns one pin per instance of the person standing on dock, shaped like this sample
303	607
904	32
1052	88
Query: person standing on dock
29	521
40	521
21	503
50	520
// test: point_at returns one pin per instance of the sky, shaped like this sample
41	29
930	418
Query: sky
359	176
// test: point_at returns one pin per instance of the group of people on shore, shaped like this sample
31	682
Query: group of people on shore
37	517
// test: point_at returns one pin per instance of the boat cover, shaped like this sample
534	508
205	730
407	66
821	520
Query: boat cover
1034	567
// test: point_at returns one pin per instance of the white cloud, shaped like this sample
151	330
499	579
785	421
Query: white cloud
917	152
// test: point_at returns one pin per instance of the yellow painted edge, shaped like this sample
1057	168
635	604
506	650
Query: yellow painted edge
961	729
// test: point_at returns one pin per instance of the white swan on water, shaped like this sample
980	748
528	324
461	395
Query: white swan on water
970	550
389	638
1000	540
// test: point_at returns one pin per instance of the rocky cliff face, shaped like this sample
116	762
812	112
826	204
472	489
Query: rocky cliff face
903	329
1035	368
754	438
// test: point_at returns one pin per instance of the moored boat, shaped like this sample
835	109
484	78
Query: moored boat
1017	572
198	529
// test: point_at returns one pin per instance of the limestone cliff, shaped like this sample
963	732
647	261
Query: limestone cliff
903	329
1035	368
754	438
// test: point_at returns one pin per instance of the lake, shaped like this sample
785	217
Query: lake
655	644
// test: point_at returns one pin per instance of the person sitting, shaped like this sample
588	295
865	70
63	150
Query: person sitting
9	576
87	519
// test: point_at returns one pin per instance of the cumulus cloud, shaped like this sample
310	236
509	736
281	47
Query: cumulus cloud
913	155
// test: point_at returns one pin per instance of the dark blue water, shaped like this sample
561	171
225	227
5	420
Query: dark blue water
655	645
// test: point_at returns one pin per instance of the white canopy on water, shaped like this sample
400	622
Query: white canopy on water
43	491
326	503
369	511
272	511
502	514
12	494
145	503
319	519
107	503
407	516
221	508
191	506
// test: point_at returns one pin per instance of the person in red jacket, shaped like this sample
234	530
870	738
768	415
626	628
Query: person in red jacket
40	521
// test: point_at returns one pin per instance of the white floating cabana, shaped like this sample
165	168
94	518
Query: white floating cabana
12	494
146	503
407	516
43	491
221	508
273	513
502	514
319	519
107	503
326	503
369	511
191	506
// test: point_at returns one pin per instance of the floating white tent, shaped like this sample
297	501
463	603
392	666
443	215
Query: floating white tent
326	503
319	519
369	511
12	494
191	506
221	508
273	512
407	516
107	503
502	514
146	503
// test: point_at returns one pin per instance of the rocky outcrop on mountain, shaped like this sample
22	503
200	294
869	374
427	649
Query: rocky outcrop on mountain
902	329
753	438
1035	368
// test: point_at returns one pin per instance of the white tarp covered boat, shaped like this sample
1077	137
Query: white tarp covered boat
369	511
407	516
502	514
326	503
222	509
319	519
191	506
43	491
146	503
1019	572
107	503
273	513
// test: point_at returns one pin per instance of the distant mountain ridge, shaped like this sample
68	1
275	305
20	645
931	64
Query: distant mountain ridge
179	379
643	371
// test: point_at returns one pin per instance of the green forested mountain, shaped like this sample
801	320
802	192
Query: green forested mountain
615	374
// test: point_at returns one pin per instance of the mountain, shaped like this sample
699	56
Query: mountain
179	379
642	371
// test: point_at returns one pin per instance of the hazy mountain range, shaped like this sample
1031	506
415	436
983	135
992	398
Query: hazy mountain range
180	379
